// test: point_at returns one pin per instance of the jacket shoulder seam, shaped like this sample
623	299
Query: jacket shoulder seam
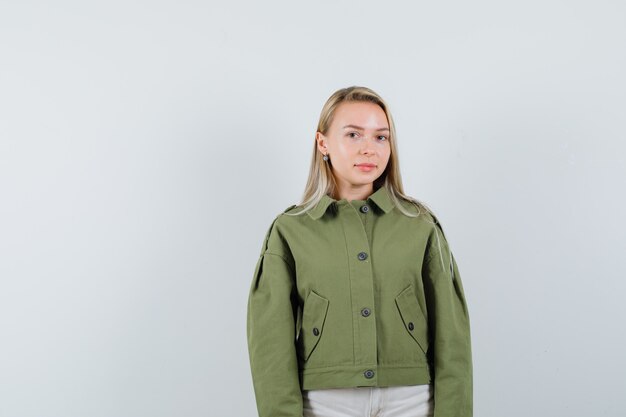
435	249
281	256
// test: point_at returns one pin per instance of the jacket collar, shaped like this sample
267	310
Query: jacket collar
380	197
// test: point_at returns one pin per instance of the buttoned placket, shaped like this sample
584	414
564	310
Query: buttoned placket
357	226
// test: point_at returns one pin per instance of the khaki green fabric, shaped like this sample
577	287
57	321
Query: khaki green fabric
342	297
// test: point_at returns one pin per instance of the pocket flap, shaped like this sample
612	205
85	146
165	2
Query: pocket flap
412	317
313	319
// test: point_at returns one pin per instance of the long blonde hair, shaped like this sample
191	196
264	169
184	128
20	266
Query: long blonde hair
321	179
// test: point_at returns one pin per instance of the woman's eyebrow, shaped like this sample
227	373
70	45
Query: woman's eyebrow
360	128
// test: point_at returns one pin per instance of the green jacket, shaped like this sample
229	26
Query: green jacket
355	293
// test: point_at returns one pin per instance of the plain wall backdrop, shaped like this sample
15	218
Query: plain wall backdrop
146	147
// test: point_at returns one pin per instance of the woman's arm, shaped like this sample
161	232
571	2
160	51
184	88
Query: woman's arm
450	329
271	327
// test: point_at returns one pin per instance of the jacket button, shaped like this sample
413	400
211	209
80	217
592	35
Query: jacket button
365	312
369	374
365	209
362	255
316	331
411	327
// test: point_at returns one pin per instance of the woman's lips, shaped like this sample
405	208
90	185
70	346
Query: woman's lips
366	167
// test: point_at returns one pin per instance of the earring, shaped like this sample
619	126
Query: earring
325	158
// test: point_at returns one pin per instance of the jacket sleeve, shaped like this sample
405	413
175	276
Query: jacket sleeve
271	324
449	325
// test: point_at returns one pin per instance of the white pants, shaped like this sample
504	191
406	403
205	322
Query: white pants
400	401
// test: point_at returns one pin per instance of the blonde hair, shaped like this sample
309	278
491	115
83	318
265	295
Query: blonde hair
321	179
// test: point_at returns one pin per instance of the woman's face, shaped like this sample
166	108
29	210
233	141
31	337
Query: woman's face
357	143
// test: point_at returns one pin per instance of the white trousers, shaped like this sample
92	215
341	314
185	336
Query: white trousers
399	401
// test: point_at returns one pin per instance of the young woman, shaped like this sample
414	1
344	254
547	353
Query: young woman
356	307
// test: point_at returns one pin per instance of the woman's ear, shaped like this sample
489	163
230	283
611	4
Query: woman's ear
321	143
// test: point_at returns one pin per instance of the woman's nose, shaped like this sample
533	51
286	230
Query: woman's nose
368	145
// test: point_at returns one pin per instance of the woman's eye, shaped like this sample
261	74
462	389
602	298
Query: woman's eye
353	134
382	137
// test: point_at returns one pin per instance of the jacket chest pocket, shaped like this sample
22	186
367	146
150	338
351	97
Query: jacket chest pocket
313	319
414	321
